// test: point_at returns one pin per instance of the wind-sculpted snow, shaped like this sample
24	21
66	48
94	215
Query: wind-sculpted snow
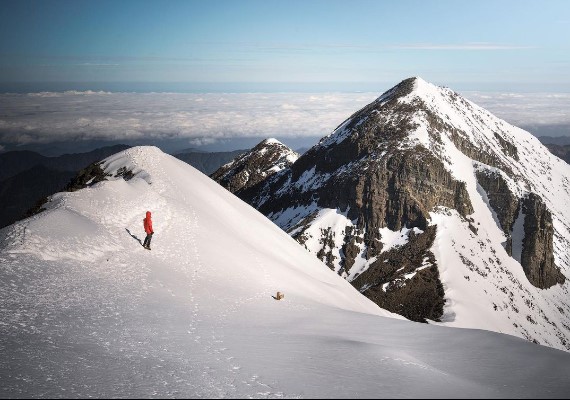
85	311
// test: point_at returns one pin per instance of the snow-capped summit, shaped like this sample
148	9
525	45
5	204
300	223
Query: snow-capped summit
86	311
265	159
438	210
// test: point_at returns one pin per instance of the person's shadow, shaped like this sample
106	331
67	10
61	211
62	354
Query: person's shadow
134	237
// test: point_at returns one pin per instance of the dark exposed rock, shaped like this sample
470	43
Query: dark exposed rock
508	148
88	176
537	258
418	298
483	155
502	200
253	167
349	249
395	192
325	254
125	173
537	255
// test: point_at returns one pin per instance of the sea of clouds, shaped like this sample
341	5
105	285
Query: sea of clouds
49	116
209	117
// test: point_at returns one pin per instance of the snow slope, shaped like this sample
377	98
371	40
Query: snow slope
85	311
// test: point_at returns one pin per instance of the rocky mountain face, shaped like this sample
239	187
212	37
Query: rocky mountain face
264	160
437	210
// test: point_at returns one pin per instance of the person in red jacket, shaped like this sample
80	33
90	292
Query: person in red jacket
148	229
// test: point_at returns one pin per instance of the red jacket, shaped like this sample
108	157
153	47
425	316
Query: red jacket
148	224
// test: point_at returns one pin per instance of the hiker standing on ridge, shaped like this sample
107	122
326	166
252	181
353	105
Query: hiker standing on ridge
147	222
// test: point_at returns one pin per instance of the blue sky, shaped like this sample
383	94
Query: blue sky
281	45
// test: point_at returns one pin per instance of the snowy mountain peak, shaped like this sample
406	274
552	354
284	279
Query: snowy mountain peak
270	141
267	158
411	87
422	194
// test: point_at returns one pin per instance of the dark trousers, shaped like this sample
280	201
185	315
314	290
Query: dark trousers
147	240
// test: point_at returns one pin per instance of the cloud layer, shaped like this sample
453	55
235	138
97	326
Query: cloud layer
207	117
49	116
526	109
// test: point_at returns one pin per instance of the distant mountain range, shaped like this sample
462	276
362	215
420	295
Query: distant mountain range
561	151
27	176
559	140
208	162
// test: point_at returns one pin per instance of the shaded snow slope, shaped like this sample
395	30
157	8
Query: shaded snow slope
86	311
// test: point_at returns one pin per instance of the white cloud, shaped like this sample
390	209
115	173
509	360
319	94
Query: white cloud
46	117
525	109
201	141
207	117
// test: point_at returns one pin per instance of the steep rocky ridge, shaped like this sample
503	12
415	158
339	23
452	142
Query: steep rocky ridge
435	209
265	159
535	253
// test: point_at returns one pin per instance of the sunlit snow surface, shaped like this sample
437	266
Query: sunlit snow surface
85	311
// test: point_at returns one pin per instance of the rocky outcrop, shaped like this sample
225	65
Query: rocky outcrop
503	202
406	280
88	176
507	147
537	257
249	169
